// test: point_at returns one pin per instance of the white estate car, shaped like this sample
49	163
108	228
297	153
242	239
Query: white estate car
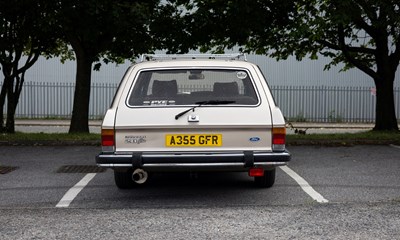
193	113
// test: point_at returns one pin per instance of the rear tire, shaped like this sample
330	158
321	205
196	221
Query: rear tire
267	180
123	180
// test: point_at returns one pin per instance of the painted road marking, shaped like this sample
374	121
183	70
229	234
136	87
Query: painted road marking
74	191
304	185
395	146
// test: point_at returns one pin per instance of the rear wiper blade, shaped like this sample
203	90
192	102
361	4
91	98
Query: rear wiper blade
199	104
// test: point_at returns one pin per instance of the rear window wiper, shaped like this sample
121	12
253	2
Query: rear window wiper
199	104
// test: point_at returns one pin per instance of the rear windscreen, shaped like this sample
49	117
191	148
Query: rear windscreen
191	86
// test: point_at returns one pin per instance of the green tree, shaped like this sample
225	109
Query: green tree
102	30
356	33
173	27
25	34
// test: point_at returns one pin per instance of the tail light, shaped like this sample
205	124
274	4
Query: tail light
278	139
256	172
107	140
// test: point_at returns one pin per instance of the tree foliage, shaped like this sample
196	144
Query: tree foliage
171	27
356	33
91	32
102	30
25	34
362	34
218	24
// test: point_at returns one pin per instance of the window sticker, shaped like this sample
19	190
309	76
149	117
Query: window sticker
159	102
241	75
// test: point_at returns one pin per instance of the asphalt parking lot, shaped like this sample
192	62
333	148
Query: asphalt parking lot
330	193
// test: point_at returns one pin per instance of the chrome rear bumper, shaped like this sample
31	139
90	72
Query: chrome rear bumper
218	161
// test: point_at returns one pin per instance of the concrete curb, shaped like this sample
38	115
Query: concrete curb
301	125
41	122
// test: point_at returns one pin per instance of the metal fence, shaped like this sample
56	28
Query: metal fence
328	104
55	100
298	103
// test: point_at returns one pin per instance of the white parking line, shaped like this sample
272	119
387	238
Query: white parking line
395	146
74	191
304	185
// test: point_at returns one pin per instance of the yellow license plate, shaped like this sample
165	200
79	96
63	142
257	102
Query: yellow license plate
193	140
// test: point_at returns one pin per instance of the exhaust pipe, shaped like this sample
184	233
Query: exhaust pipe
139	176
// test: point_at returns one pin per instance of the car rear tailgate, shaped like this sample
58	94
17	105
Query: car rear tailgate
156	129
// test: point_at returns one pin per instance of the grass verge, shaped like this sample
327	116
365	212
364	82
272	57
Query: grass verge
50	139
368	137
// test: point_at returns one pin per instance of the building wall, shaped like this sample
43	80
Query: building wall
283	73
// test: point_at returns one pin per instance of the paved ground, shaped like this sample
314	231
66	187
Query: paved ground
360	185
60	126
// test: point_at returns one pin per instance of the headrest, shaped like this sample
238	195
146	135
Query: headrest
165	88
226	89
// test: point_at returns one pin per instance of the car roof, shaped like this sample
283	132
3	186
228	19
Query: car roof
203	63
236	60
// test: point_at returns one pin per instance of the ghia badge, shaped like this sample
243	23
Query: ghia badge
135	139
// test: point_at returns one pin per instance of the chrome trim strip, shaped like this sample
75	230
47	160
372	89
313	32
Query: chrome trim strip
164	154
116	156
114	165
157	155
190	165
150	165
270	164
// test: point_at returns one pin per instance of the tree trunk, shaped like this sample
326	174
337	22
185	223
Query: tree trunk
12	101
3	95
14	90
385	119
11	107
80	111
14	78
